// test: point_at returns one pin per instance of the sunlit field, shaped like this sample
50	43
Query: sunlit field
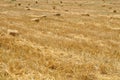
59	39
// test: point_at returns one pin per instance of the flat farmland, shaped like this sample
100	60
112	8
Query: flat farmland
59	39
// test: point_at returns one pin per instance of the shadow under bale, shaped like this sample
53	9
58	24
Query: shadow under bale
58	14
85	14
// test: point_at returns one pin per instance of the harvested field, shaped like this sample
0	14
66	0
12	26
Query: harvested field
59	39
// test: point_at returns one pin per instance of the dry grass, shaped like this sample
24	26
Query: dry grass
71	40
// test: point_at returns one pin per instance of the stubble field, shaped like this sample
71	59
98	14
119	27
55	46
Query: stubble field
60	40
